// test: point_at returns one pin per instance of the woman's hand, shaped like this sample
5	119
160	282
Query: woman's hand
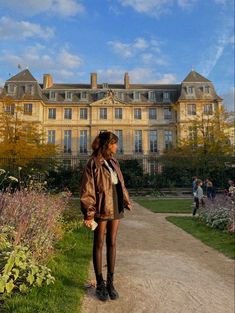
88	223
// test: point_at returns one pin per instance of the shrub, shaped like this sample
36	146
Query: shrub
36	218
219	213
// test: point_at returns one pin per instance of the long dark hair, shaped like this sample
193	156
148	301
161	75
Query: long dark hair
101	142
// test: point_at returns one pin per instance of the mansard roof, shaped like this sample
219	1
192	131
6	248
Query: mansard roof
23	76
195	77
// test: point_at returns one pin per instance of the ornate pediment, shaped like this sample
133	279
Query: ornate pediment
109	100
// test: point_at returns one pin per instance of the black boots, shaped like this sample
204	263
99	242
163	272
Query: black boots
101	290
110	288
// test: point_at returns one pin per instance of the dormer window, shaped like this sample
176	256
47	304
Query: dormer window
119	95
100	95
52	95
68	95
166	95
207	89
11	88
105	85
190	89
136	95
30	89
83	95
152	95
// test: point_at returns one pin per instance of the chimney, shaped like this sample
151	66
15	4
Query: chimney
47	81
93	80
126	81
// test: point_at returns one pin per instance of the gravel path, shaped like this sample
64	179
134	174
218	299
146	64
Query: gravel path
162	269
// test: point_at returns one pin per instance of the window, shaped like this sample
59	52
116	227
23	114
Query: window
83	113
52	113
207	89
30	89
138	141
100	95
136	95
191	109
190	89
193	135
137	113
118	132
67	141
166	95
83	141
83	95
68	113
10	108
168	139
152	113
118	113
51	136
105	85
11	88
208	108
28	108
167	113
68	95
52	95
153	140
103	113
152	95
119	95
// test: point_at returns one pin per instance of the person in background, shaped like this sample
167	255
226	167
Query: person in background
199	197
194	178
209	188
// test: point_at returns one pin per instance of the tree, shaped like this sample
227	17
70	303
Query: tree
205	149
22	142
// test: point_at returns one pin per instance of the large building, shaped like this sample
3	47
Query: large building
141	115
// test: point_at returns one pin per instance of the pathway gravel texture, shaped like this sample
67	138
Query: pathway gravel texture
162	269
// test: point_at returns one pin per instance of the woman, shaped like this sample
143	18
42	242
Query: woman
103	198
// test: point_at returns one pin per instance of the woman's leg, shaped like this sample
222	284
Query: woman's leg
99	233
112	228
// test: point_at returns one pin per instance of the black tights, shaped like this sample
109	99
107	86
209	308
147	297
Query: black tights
111	228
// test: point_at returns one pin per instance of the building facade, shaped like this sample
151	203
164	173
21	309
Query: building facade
141	115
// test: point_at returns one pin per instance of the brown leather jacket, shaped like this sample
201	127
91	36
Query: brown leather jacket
96	194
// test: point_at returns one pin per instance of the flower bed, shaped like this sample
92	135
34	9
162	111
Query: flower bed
219	214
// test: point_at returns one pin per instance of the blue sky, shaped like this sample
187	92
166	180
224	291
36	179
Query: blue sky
157	41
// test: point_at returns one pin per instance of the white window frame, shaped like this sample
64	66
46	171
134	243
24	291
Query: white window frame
52	95
155	110
190	111
83	116
118	113
54	115
68	116
103	113
51	136
139	115
66	95
27	109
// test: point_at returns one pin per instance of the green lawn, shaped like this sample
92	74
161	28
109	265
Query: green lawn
69	265
167	206
217	239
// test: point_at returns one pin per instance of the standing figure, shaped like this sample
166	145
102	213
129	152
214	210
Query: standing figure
198	196
103	198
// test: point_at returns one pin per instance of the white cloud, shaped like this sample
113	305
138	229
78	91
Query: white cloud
18	30
62	63
62	8
137	75
147	51
127	50
156	7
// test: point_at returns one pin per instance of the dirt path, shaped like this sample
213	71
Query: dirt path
162	269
